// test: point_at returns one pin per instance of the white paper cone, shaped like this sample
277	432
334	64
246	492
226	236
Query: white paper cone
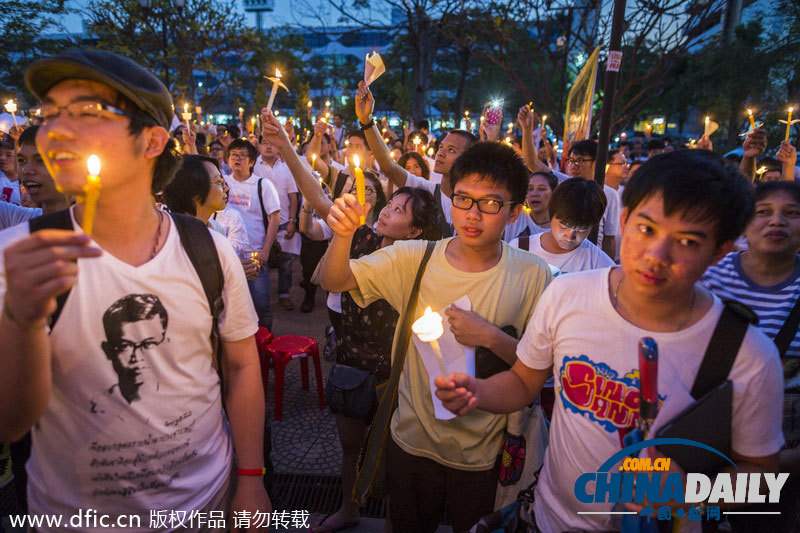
373	68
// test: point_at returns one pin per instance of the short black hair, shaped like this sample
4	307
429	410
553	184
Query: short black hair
232	130
423	124
468	135
359	134
337	115
494	162
212	143
551	178
586	147
191	181
655	144
578	202
695	183
326	137
424	214
7	142
28	137
238	144
768	187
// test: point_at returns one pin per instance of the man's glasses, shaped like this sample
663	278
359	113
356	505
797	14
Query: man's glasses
488	206
236	155
81	109
576	162
624	165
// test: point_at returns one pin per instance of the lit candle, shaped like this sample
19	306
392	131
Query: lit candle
186	116
276	82
417	142
11	107
253	125
544	121
761	171
346	143
361	192
706	128
789	123
254	257
313	162
510	126
752	120
429	328
92	193
430	151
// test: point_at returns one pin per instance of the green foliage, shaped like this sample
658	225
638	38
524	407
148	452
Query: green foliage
24	25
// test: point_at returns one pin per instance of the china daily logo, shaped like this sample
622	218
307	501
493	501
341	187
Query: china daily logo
641	480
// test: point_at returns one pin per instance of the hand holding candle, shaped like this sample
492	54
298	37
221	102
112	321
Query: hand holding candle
752	119
789	123
92	193
361	191
186	116
429	328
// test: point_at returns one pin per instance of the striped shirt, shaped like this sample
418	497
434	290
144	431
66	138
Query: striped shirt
772	304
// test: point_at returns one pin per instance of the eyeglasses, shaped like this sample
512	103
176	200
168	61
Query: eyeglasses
367	189
488	206
238	155
81	109
625	165
578	162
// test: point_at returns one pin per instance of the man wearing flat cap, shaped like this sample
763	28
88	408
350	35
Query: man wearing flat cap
169	448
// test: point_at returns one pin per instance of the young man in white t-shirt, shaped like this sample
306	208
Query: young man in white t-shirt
575	207
432	461
9	184
452	146
261	234
683	211
121	395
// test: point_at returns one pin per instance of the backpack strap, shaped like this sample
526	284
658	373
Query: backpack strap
445	227
199	246
261	205
58	220
723	347
788	330
525	243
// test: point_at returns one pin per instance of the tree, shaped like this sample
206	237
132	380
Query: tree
206	39
24	26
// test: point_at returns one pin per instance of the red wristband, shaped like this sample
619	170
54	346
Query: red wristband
251	471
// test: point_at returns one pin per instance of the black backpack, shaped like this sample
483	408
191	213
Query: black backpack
199	246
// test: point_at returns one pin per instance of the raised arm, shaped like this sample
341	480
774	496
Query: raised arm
754	145
364	106
272	130
343	219
526	120
787	155
313	148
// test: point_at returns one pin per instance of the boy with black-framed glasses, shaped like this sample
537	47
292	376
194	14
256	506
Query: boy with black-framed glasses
432	461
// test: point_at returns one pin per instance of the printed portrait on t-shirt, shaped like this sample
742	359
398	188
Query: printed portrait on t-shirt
133	325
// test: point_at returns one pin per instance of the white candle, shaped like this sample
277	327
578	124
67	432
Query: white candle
429	328
276	82
11	107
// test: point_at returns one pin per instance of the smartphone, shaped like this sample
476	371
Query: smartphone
493	115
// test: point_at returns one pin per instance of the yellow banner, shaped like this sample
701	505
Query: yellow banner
579	105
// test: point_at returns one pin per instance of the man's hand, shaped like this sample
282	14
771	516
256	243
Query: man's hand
343	217
250	496
525	118
273	131
459	393
39	268
251	269
291	228
365	103
787	154
321	128
754	144
189	138
252	139
468	328
15	131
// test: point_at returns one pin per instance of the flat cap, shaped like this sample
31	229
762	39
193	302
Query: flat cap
118	72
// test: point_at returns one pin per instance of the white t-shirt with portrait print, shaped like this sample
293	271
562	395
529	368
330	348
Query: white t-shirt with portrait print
134	421
586	256
243	196
594	355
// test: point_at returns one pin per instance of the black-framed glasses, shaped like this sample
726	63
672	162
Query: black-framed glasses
238	155
489	206
576	161
81	109
367	190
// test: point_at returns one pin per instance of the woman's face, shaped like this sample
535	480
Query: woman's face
775	228
397	153
395	220
413	166
218	193
369	189
539	192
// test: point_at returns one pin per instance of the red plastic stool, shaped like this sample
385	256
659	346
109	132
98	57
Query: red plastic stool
285	348
263	338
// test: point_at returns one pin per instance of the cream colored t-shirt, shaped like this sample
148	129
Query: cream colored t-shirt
504	295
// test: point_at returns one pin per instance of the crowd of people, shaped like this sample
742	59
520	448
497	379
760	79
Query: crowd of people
131	379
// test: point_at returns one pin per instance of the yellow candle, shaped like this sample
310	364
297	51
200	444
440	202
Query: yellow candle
92	191
252	125
361	192
789	123
752	120
313	162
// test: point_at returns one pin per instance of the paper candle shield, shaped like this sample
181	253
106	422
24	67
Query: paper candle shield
712	127
373	68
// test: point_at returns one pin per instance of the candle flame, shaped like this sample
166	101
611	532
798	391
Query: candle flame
791	109
429	326
356	161
327	103
309	103
241	110
186	108
761	170
94	165
749	111
544	117
430	152
278	73
707	119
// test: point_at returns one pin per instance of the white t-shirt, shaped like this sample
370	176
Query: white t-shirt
593	352
523	222
11	214
586	256
422	183
281	177
233	225
9	190
243	197
121	443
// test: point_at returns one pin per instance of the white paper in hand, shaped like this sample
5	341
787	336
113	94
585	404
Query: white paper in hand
373	68
457	357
